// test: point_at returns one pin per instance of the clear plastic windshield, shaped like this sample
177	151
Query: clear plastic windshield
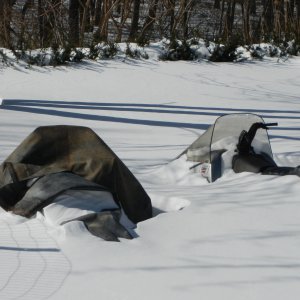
228	128
199	151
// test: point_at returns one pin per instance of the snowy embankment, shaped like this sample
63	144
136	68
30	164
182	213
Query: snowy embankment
194	49
236	238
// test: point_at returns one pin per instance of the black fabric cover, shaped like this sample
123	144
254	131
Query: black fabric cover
47	188
55	149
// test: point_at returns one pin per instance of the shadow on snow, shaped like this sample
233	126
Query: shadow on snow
48	107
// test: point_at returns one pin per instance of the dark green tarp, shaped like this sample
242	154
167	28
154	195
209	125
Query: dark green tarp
55	149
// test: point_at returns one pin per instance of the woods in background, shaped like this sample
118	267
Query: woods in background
30	24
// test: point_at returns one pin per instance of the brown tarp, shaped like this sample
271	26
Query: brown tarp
54	149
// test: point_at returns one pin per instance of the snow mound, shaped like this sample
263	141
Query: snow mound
177	172
168	204
74	204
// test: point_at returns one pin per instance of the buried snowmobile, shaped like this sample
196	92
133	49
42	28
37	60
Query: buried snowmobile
236	141
69	174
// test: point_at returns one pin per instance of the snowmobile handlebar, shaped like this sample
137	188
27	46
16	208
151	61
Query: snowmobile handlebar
254	127
246	137
271	124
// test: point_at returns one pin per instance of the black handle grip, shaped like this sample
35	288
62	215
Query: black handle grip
271	124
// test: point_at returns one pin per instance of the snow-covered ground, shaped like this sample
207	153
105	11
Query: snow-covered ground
236	238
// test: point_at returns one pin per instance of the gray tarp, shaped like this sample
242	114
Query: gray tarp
55	149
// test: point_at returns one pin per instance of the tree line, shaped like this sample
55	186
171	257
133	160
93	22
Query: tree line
30	24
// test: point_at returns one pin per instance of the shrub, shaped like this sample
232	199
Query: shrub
94	52
292	48
224	53
109	50
257	52
5	61
77	55
177	50
135	52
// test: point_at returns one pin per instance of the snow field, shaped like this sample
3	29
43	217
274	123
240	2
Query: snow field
237	238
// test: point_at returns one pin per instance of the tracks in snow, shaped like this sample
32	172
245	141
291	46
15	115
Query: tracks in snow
32	265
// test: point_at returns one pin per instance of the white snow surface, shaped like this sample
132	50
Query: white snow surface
237	238
73	204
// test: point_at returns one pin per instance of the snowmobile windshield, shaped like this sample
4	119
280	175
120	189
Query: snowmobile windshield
227	129
199	151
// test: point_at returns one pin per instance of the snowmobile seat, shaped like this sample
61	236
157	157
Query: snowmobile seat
251	162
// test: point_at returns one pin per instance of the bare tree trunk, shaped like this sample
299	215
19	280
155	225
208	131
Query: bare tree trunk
268	16
5	19
41	23
93	13
230	13
172	19
51	24
221	18
217	4
98	8
277	18
298	12
102	33
84	21
298	21
253	7
246	20
28	4
148	25
74	22
287	16
135	20
124	10
185	25
108	7
21	38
